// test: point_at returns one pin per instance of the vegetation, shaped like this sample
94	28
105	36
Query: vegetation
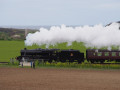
13	34
80	66
66	65
11	49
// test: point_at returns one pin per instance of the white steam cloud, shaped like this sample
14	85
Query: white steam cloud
93	36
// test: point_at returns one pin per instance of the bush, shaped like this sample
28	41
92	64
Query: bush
37	63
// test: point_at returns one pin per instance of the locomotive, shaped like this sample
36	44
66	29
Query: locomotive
51	54
70	55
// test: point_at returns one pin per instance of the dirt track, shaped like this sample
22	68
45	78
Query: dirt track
58	79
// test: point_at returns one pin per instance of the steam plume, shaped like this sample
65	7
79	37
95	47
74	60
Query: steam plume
93	36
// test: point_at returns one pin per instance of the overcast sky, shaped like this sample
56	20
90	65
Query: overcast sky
57	12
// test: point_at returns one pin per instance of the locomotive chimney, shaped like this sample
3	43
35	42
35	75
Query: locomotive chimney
25	48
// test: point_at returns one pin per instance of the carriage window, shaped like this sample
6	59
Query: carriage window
114	53
119	53
106	53
99	54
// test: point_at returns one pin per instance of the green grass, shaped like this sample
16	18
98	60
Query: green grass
11	49
66	65
79	66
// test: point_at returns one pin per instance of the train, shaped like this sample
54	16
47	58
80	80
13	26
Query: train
69	55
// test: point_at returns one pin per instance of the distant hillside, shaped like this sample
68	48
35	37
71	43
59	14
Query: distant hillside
13	34
27	27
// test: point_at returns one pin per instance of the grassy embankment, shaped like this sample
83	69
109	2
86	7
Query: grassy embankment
11	49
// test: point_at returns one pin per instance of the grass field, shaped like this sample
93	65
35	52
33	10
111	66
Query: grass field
11	49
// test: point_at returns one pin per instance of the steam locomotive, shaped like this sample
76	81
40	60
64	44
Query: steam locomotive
70	55
51	54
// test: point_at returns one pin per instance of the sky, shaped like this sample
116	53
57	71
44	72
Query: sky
58	12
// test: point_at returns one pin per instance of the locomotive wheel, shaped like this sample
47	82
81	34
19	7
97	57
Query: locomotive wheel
63	61
102	61
79	61
50	61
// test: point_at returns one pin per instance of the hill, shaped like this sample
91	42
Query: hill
14	34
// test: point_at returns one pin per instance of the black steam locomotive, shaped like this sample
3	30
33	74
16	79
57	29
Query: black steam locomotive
58	55
51	54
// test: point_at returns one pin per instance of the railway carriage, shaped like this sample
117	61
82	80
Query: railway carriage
94	55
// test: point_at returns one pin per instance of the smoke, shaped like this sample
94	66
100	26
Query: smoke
93	36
